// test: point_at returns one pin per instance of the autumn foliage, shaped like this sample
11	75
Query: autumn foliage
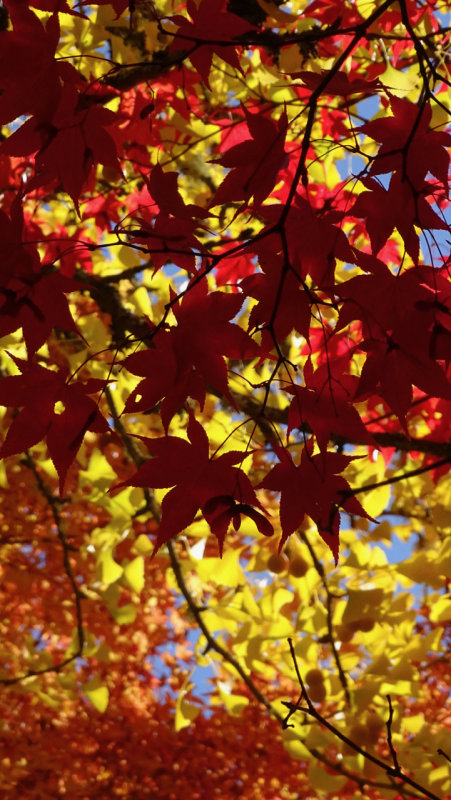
225	319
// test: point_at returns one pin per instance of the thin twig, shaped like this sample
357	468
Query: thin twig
391	771
442	753
389	737
329	600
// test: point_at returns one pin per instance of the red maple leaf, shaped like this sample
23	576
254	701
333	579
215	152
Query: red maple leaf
36	392
398	207
31	298
36	304
222	510
313	488
17	257
340	84
397	363
30	74
408	144
212	31
191	355
232	269
313	239
325	404
169	232
406	326
214	485
255	162
276	313
68	144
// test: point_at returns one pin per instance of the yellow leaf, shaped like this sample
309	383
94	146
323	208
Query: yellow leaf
48	700
141	301
107	568
234	703
103	652
420	569
413	724
97	694
362	604
134	574
376	502
397	687
99	472
249	603
381	532
94	331
225	571
124	615
143	545
441	516
440	774
48	466
291	59
281	598
324	781
185	712
441	610
397	82
277	14
3	477
294	746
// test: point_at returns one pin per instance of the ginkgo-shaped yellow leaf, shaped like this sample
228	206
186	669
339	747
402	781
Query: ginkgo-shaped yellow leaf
134	574
97	694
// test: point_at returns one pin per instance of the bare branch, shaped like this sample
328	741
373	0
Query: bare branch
329	600
389	737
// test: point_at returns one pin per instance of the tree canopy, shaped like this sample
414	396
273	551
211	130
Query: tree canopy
225	319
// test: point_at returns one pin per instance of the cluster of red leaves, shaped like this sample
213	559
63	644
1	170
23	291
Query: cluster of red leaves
401	322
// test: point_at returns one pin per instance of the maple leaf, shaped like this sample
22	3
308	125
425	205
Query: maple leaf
232	269
17	257
68	145
398	207
313	239
30	297
408	143
221	511
254	163
36	392
168	234
69	251
340	84
325	404
30	74
276	314
199	482
191	355
163	189
394	365
211	32
105	210
402	317
137	109
435	310
37	305
314	488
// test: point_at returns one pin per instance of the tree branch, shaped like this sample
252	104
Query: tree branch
329	599
253	408
394	772
229	658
